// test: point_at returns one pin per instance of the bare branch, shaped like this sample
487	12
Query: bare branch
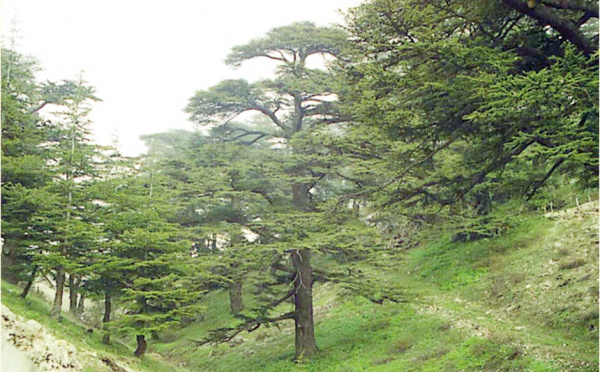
270	114
39	107
289	294
245	133
281	59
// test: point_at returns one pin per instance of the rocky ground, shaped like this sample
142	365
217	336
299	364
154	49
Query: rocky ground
27	343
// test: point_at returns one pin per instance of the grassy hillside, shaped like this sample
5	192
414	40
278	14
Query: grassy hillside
91	353
525	301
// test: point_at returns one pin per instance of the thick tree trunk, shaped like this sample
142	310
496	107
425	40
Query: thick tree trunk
72	294
141	346
236	301
106	317
29	282
303	307
58	297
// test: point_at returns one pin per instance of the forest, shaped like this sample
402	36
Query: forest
374	148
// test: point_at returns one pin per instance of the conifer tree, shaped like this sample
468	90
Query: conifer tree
25	175
299	104
297	100
447	102
143	263
74	167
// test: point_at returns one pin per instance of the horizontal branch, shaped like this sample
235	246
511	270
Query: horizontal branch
248	326
246	133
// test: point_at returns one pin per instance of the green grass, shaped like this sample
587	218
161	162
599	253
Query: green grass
455	265
541	270
450	322
489	305
73	331
361	336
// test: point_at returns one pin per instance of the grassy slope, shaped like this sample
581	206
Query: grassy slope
526	301
89	345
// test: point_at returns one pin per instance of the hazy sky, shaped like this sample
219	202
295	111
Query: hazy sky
146	58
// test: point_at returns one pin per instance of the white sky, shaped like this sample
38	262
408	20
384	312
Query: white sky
146	58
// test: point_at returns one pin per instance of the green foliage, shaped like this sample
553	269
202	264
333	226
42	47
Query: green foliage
290	44
447	322
434	331
295	99
461	112
143	261
24	172
287	176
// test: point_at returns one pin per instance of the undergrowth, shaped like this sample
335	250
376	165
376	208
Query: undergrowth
522	301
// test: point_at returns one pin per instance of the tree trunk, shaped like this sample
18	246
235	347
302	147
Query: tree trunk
236	301
141	346
106	318
9	261
29	282
300	196
58	297
483	203
72	294
81	304
303	307
298	117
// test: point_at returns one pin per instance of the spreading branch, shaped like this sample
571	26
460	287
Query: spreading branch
245	133
400	176
569	30
222	335
537	184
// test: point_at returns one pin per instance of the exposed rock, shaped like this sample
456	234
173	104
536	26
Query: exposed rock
32	343
14	360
